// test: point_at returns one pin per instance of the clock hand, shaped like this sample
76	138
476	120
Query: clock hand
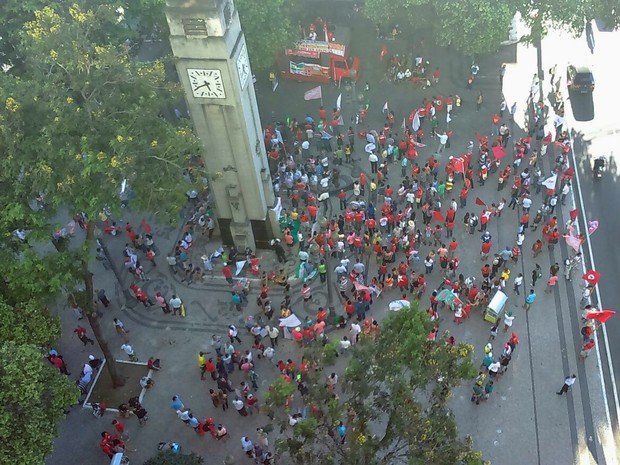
208	84
203	85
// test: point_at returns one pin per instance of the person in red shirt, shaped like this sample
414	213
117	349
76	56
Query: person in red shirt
106	444
227	272
452	247
436	74
348	217
322	113
485	249
359	218
371	224
211	368
80	332
342	197
463	196
312	210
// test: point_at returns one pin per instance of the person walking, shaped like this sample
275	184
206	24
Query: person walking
536	274
518	282
529	300
80	332
508	319
202	364
120	329
130	352
100	293
551	283
568	382
119	426
240	407
479	101
233	333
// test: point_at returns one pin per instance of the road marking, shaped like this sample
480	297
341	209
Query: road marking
610	434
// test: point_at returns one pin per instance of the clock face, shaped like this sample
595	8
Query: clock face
206	83
243	66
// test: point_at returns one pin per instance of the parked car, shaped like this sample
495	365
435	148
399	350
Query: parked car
579	79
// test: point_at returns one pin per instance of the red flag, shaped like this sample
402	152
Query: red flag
438	216
573	214
600	315
592	277
479	201
498	151
145	226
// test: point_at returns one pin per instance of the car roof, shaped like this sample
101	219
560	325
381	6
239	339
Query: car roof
582	70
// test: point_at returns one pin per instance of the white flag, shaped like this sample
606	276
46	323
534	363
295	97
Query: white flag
448	119
416	121
385	107
338	102
404	125
549	183
313	94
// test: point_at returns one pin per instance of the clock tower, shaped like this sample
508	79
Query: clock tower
213	67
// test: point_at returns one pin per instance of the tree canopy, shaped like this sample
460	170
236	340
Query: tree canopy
81	124
395	391
479	26
268	28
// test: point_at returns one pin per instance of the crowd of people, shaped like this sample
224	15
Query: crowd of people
396	230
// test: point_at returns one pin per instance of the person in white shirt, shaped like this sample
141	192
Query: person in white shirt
345	344
355	331
518	282
568	382
508	319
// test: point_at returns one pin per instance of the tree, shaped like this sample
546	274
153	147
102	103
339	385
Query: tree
268	28
169	458
34	396
470	26
81	124
394	404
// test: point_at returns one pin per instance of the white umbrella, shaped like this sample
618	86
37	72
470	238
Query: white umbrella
370	147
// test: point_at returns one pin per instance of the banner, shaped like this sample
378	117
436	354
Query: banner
549	183
313	94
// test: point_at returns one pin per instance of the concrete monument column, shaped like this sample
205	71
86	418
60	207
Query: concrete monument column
213	67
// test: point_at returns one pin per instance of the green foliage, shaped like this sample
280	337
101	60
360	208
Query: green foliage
279	392
28	323
33	396
82	116
401	381
268	29
168	458
479	26
472	26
